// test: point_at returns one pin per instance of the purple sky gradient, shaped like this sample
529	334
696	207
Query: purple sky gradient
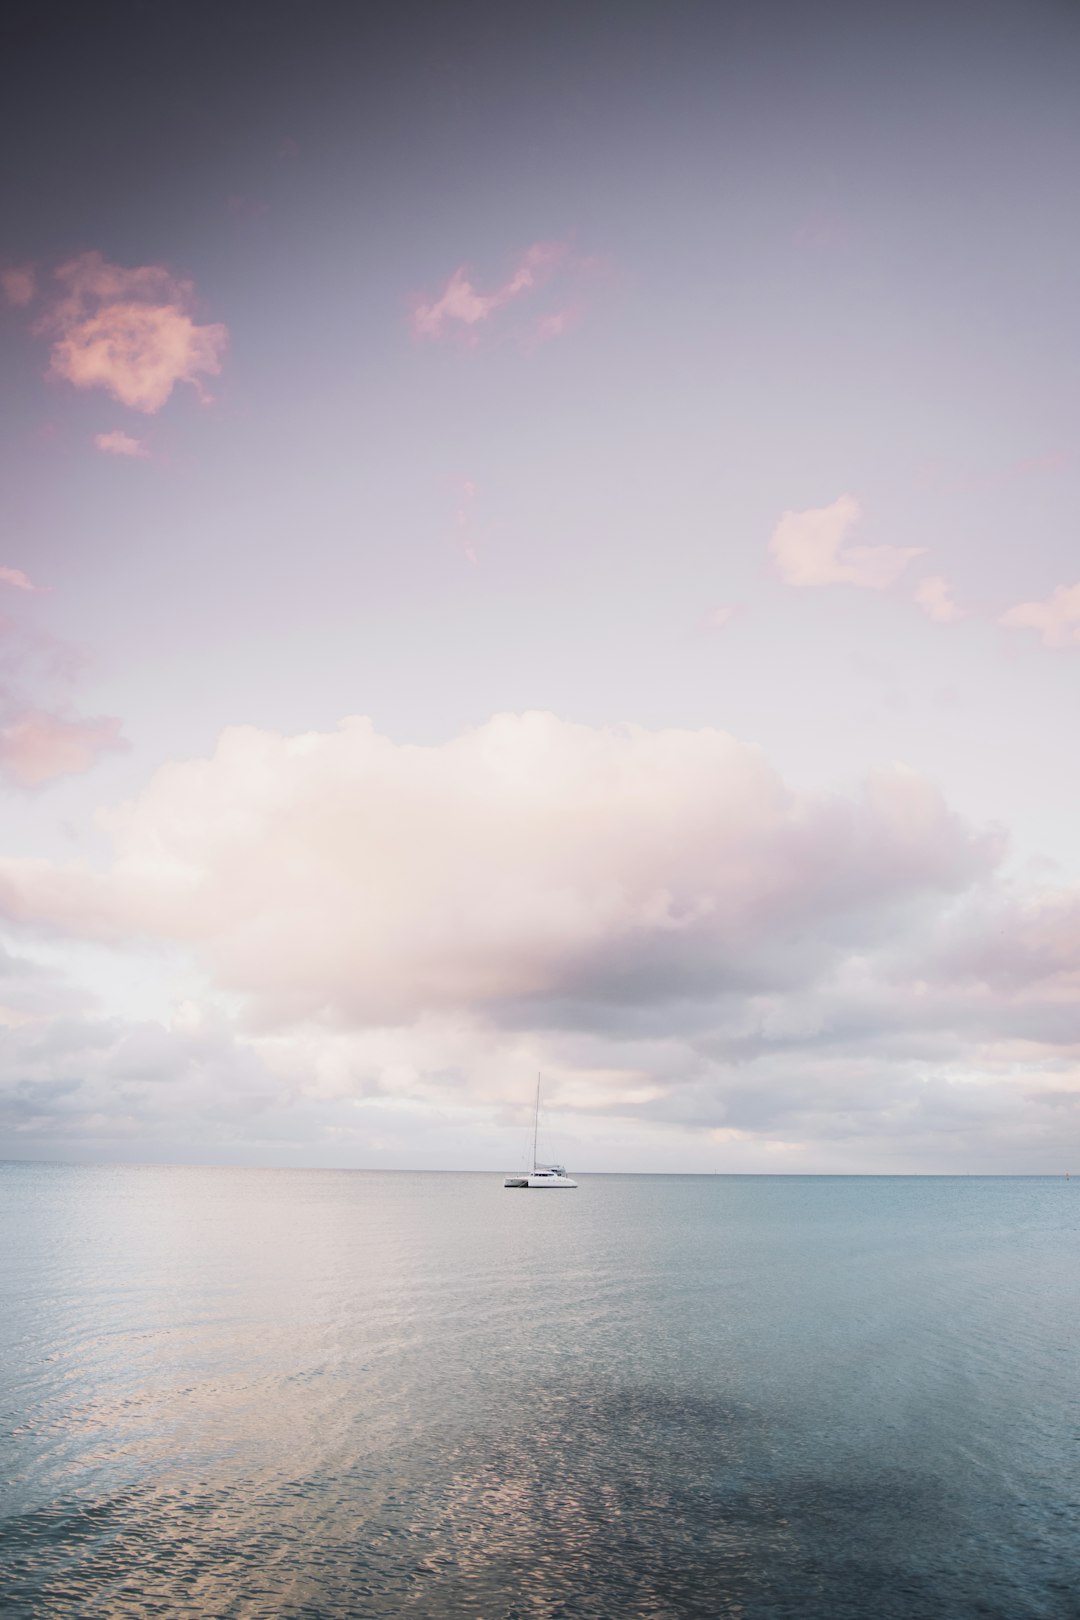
632	365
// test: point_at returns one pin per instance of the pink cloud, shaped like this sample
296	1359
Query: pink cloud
461	303
129	331
811	548
119	443
942	473
557	324
1049	461
934	597
36	747
17	579
19	285
41	733
1057	619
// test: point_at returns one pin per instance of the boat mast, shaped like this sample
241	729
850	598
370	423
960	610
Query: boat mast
536	1118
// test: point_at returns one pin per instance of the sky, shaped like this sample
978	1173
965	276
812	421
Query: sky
541	539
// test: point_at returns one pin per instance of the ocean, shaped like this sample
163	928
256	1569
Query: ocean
345	1393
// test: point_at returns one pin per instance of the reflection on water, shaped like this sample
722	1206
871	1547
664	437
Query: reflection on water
338	1394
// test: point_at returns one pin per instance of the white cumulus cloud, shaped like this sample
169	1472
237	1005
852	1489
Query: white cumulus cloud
392	939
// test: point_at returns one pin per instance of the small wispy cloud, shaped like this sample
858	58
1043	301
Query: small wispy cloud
36	746
1048	461
934	596
42	734
944	474
17	580
463	310
461	304
19	285
129	331
1057	620
557	324
119	443
812	548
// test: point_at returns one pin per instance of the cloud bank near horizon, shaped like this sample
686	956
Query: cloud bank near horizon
684	944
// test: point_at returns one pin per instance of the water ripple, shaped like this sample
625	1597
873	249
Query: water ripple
326	1395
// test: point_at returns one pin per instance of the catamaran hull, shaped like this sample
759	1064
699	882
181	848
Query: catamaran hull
539	1181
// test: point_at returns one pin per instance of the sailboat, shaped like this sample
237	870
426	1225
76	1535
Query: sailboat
541	1175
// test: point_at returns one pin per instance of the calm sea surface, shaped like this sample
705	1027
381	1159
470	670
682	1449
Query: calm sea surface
322	1393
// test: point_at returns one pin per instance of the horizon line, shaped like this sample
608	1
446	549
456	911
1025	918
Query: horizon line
428	1170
